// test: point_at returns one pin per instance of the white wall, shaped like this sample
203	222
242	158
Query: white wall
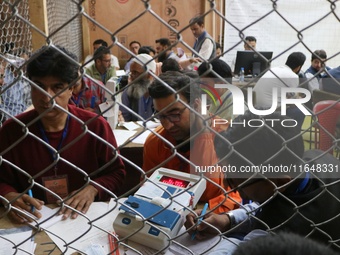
273	33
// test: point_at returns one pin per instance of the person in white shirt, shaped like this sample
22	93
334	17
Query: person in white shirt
280	77
204	44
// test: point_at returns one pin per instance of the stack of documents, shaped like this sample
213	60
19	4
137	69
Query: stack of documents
17	241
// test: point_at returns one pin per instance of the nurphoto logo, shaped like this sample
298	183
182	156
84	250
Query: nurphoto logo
239	103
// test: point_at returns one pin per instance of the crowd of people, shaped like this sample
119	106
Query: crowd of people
167	85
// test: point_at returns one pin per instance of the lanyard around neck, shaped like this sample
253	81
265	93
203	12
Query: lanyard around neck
63	136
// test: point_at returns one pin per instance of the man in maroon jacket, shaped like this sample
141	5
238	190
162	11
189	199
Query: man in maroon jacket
57	151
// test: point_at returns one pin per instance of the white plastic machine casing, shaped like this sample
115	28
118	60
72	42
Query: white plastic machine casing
162	200
111	86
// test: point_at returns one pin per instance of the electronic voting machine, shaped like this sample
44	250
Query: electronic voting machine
156	212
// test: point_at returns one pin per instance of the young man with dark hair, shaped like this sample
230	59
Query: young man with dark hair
269	167
147	50
250	43
176	97
164	50
277	78
101	69
318	64
48	149
204	44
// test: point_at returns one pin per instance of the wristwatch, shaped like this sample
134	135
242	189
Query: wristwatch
231	219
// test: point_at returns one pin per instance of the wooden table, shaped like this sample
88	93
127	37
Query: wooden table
44	244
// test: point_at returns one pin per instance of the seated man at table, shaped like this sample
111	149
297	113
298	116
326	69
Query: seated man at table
210	73
137	103
290	185
58	151
184	136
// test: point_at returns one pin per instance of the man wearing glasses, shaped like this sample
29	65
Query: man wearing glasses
184	137
101	69
295	191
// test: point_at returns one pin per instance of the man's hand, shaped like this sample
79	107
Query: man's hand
80	201
219	221
24	203
120	117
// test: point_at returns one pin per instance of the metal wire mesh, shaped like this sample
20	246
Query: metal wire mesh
65	29
64	25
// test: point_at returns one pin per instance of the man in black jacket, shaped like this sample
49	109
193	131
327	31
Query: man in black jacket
296	191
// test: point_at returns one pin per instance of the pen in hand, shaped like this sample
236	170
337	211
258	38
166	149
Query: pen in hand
31	195
200	219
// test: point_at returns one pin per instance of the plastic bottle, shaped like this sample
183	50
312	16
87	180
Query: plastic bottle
241	75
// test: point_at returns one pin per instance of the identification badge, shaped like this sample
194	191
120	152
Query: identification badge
57	184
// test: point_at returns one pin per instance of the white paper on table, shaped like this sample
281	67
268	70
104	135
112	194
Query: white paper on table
71	229
17	237
150	190
195	246
149	124
141	138
123	135
106	105
47	213
129	125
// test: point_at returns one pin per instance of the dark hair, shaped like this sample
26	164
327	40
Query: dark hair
271	143
101	42
319	54
102	50
282	244
295	60
171	81
164	42
53	61
217	66
146	50
135	42
199	20
250	39
170	64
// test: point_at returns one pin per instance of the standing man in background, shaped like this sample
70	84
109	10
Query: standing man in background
204	44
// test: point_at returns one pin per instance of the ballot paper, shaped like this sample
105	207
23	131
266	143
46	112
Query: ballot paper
16	241
149	124
82	232
129	125
140	138
49	217
123	135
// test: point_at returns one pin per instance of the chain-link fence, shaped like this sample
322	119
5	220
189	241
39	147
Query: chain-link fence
258	174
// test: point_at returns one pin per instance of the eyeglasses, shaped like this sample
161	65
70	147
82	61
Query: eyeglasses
173	117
